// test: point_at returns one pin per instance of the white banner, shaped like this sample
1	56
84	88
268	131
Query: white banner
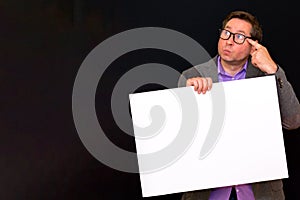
187	141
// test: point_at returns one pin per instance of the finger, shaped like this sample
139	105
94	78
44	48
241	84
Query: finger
200	85
253	53
209	83
193	82
204	85
207	86
190	82
254	43
196	85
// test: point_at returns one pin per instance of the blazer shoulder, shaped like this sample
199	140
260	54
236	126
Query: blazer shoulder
205	69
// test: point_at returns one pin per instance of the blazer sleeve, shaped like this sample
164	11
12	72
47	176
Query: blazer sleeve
288	102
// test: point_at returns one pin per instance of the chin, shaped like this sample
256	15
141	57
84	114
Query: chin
226	58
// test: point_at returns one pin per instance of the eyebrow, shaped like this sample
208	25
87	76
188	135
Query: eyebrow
239	31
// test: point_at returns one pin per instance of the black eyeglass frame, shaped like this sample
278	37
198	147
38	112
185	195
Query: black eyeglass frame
220	31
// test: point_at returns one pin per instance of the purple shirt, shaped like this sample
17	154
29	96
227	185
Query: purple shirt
243	192
224	76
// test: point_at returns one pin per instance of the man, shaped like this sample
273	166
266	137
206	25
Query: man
240	55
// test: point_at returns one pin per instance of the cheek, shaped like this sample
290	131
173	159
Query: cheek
248	50
244	52
220	44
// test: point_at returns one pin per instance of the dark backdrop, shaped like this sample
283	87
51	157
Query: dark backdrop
43	43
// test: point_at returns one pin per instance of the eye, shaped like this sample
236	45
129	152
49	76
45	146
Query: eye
226	32
240	36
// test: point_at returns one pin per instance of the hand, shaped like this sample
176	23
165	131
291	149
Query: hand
261	58
201	84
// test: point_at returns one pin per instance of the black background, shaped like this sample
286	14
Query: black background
42	45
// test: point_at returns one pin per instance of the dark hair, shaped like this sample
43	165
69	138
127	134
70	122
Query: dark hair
256	31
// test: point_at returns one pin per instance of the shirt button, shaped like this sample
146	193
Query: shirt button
237	190
232	78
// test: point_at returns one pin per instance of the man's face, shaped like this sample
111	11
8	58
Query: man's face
228	49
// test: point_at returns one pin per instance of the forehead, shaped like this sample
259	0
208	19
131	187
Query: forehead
238	26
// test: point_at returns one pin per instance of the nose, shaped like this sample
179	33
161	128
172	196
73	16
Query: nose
230	39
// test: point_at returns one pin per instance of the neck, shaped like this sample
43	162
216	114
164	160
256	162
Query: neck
231	67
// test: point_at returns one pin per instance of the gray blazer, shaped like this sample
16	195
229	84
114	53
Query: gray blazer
289	111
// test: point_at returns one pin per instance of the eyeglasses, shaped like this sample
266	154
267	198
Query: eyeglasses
237	37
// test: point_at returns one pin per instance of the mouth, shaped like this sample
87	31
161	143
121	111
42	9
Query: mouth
226	51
